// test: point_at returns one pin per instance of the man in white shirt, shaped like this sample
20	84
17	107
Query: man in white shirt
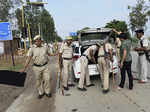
142	62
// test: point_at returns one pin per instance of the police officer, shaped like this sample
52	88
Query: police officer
86	56
104	56
66	53
142	62
39	53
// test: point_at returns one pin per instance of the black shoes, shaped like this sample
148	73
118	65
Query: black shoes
40	96
71	85
130	87
102	86
82	89
49	95
105	91
90	85
66	88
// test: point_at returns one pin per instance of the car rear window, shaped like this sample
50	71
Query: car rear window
93	36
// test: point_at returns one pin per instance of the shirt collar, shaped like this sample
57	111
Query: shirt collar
142	37
67	44
37	46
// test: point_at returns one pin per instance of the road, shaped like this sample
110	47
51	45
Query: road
28	102
93	100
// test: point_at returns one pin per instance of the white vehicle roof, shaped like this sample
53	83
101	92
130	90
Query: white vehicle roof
93	31
96	30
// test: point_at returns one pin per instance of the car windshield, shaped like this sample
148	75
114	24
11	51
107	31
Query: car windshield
94	36
76	50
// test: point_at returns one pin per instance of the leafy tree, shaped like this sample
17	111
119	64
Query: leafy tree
119	26
18	14
32	17
139	15
47	26
5	8
40	21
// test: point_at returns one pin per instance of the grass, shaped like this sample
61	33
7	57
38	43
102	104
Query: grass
15	68
6	63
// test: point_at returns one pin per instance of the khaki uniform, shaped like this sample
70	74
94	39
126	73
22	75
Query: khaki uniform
84	66
40	68
118	44
104	65
67	53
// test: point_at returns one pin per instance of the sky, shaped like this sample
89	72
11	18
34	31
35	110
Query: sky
73	15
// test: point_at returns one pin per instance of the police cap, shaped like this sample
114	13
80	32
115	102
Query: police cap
68	37
139	30
37	37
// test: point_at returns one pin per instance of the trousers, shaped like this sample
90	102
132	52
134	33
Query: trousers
126	67
84	72
104	71
42	75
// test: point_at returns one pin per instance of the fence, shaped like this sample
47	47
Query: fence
12	53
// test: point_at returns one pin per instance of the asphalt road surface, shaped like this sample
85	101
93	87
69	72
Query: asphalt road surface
124	100
28	102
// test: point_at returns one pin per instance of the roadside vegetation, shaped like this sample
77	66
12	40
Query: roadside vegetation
6	63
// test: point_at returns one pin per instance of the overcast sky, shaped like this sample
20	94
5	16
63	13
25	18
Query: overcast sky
73	15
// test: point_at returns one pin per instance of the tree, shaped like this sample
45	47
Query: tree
119	26
5	7
47	26
40	22
18	14
139	15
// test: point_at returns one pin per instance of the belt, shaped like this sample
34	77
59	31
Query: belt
85	56
140	54
101	56
67	58
118	47
39	65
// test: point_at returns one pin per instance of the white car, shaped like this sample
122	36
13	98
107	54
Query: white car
87	38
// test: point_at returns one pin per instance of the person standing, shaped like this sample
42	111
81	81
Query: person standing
66	54
117	44
39	53
125	61
104	58
87	55
142	62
